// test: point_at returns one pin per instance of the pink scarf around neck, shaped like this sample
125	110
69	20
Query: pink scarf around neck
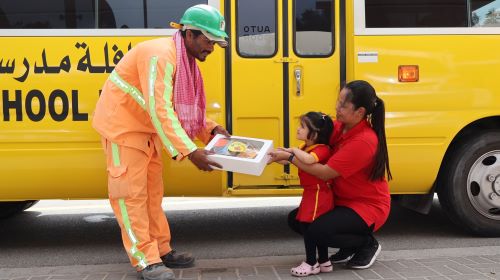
189	94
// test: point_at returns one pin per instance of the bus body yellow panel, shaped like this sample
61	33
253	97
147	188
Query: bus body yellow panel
455	89
47	139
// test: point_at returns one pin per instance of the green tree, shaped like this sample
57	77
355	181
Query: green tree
474	19
491	17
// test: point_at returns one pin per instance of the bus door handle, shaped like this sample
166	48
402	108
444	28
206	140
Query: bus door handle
298	78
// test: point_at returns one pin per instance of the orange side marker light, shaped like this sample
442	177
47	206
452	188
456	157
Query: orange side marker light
408	73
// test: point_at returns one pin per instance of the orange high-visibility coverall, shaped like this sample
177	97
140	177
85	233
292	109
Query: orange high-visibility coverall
135	117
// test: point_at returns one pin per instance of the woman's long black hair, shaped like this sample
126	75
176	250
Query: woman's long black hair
362	94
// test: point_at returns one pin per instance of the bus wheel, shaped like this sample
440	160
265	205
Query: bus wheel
469	186
11	208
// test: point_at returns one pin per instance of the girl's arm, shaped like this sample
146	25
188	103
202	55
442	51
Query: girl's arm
304	157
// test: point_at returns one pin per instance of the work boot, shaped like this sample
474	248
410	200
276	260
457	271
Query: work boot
178	260
156	271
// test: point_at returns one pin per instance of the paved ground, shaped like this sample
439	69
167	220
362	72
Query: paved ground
430	264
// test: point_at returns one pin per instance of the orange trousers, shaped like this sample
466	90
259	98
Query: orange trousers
135	187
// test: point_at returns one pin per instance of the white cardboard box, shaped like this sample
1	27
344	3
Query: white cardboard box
240	154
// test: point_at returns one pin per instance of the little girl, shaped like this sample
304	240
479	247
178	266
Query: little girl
315	130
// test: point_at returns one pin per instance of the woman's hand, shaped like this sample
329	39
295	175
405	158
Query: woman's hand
279	155
289	150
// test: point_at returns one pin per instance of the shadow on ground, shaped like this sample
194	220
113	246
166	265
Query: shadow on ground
38	239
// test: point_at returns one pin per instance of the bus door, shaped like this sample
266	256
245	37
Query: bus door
283	64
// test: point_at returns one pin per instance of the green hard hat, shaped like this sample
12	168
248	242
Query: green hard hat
205	18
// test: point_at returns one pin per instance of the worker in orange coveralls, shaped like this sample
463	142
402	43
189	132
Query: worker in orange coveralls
154	98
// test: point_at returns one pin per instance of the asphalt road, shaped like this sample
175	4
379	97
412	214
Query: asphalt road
85	232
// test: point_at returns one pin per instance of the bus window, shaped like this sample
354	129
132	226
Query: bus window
256	28
81	12
313	34
161	12
47	14
485	13
105	17
130	13
415	13
121	14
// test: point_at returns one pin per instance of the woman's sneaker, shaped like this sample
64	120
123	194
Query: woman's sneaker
365	256
343	255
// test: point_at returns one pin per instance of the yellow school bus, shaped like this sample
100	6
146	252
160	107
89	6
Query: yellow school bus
435	63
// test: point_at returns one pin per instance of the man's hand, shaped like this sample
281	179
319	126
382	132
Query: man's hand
220	130
199	159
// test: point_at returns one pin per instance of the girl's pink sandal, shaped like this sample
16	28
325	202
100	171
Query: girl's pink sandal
305	269
326	266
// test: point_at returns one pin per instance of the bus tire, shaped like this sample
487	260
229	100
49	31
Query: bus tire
11	208
469	186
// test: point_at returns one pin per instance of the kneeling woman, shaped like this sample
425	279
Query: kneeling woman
357	168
